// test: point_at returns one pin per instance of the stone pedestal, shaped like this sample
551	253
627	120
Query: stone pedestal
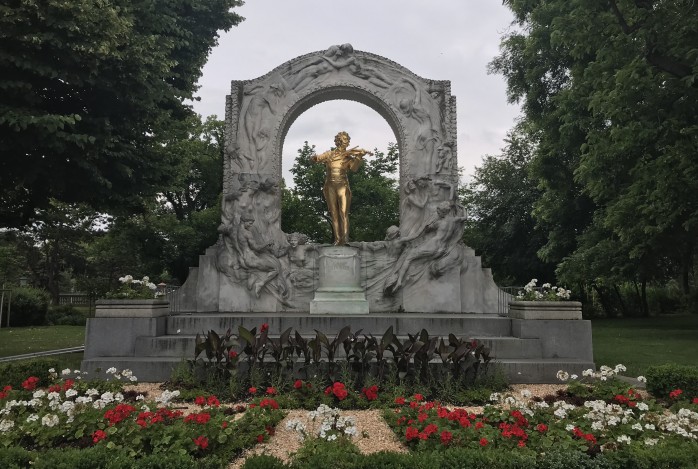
339	290
131	308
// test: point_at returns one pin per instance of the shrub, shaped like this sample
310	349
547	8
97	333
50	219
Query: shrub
15	458
663	379
29	307
14	373
65	315
263	461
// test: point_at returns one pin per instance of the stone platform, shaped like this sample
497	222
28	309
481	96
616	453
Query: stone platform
528	351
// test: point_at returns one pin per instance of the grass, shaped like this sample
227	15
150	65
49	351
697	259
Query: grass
643	342
20	340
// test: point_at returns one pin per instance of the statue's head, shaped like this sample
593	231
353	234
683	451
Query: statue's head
295	239
443	208
247	221
342	138
393	232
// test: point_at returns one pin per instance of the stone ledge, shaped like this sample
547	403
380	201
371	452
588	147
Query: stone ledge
131	308
545	310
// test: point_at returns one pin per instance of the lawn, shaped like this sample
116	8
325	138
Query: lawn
640	343
20	340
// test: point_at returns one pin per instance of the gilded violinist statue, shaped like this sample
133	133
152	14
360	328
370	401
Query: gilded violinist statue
336	189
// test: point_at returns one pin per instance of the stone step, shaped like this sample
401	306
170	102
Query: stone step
461	325
512	347
541	370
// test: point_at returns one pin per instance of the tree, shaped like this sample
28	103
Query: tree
500	202
86	87
610	90
374	205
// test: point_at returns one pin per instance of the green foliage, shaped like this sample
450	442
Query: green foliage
65	315
14	373
263	461
609	97
15	458
29	307
86	87
663	379
319	453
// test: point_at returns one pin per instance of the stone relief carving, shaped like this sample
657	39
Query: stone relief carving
435	246
268	264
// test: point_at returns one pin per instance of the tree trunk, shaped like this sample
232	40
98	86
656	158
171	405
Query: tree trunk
623	308
605	304
645	306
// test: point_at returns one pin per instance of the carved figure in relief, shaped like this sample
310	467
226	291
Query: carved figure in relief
427	133
335	58
257	257
260	107
414	205
445	160
336	188
439	239
300	273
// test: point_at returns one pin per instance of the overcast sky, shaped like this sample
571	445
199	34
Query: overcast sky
437	39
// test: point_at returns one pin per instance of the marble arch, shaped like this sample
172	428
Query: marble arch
255	267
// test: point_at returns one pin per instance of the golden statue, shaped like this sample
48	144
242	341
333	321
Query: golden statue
336	189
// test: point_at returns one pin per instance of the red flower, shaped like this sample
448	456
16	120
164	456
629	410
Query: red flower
446	437
5	392
422	417
400	400
431	428
418	397
260	438
271	390
483	442
695	400
371	393
541	427
30	383
673	394
224	425
200	400
522	443
264	328
271	403
68	384
232	354
252	390
213	401
479	425
298	384
202	418
119	413
98	436
338	390
411	433
201	442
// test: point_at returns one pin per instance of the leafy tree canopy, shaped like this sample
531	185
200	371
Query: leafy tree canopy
86	86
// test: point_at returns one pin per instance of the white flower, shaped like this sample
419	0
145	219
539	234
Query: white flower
525	393
107	397
597	425
620	368
494	397
560	413
32	418
71	393
563	375
569	427
637	426
83	400
65	372
651	441
546	285
51	370
50	420
574	377
642	379
140	397
99	404
91	392
111	371
649	426
588	372
53	396
38	394
6	425
133	379
623	439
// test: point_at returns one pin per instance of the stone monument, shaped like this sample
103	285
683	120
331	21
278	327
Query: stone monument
421	275
255	268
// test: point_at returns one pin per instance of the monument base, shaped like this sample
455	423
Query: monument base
340	289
